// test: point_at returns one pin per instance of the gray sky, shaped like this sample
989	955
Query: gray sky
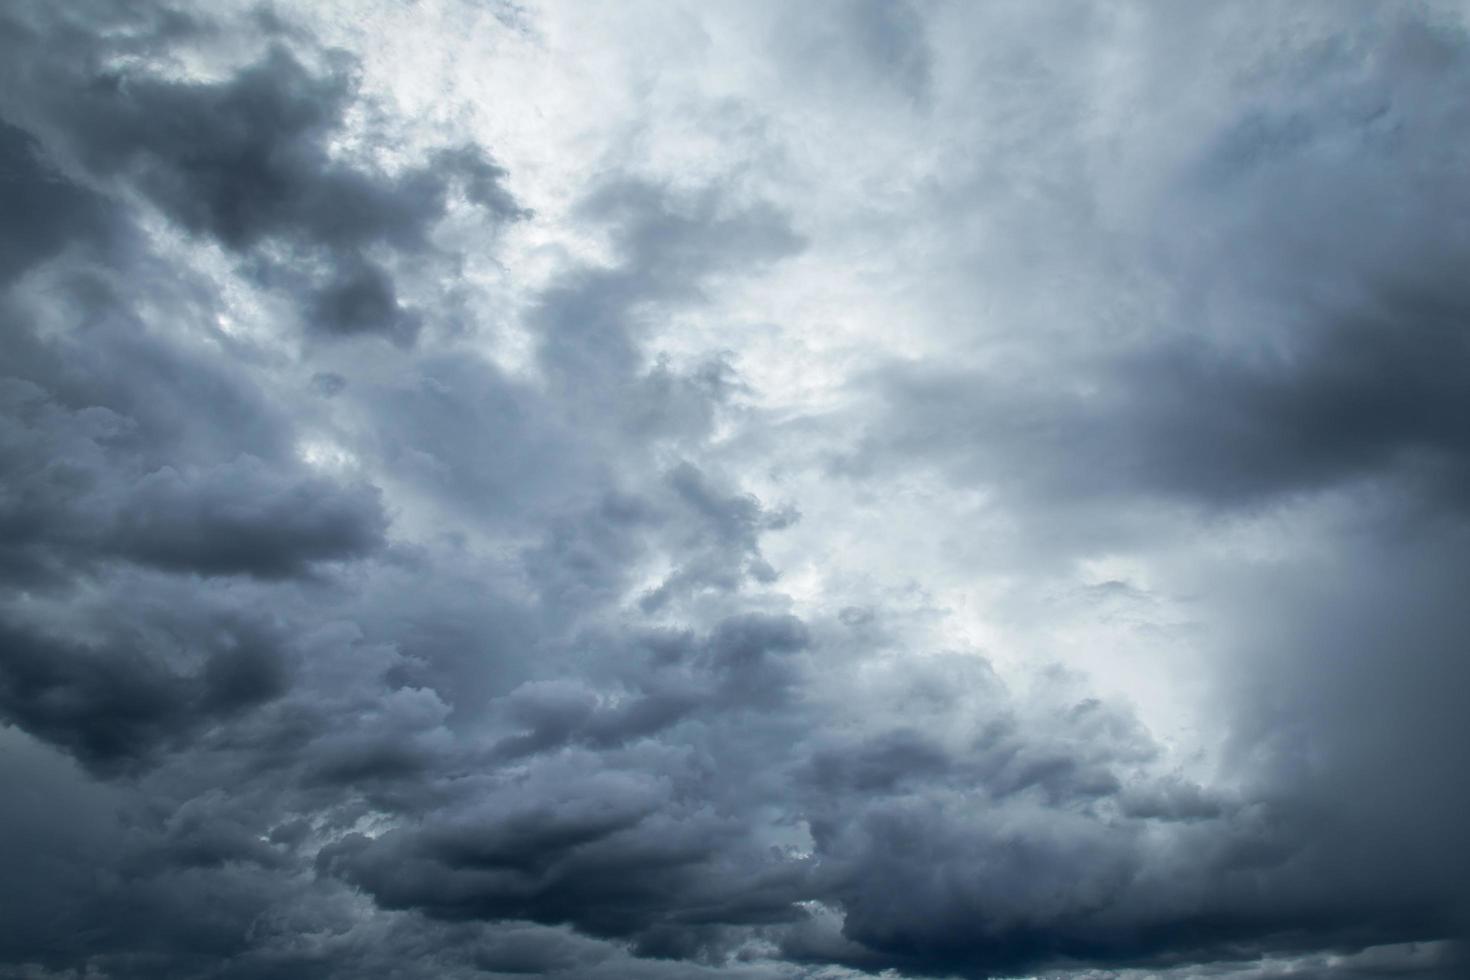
734	490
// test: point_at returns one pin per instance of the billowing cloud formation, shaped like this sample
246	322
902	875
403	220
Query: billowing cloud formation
876	489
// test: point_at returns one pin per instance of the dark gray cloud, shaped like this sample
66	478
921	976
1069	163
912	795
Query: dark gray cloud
114	706
245	161
111	460
1337	384
593	828
44	212
1309	226
1373	394
457	657
238	518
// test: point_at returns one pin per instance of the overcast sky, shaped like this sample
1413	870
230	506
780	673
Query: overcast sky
734	490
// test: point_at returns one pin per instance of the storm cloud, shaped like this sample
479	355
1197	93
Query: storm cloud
685	490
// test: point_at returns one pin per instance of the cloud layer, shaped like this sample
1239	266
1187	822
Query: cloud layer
922	490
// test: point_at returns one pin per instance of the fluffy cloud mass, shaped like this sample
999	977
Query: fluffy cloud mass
749	491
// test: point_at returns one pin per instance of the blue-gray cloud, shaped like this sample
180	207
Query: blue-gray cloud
327	656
